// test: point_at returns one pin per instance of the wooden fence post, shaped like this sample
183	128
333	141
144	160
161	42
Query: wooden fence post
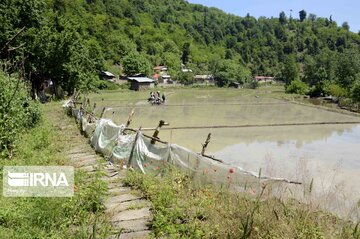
130	118
102	113
204	145
157	130
133	148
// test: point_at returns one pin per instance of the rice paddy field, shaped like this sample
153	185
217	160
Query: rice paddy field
257	129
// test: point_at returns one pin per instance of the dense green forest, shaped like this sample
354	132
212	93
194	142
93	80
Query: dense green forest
70	41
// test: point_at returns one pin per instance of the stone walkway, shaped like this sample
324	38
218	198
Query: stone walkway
128	213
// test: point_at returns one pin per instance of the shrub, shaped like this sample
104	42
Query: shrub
186	78
17	111
107	85
297	87
254	84
335	90
355	91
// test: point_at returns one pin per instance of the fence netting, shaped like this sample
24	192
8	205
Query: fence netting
142	153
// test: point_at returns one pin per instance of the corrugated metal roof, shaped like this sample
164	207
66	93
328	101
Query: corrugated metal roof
141	79
107	73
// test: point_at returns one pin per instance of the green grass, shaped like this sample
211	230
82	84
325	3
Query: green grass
74	217
181	210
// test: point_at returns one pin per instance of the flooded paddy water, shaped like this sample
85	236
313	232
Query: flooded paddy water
254	130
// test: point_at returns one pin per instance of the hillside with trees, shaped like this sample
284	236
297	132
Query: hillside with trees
70	41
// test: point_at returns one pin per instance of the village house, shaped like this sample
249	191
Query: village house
264	79
106	75
161	75
160	69
204	79
141	83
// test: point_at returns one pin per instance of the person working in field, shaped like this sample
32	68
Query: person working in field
156	98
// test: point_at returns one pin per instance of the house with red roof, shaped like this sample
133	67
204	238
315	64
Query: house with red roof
160	75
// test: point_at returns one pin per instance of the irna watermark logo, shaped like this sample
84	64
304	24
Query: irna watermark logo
38	181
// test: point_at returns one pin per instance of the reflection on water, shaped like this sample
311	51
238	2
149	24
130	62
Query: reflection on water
331	159
328	154
324	145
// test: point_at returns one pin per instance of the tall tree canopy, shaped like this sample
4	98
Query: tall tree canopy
71	41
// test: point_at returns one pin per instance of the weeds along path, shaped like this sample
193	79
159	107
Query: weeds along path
128	213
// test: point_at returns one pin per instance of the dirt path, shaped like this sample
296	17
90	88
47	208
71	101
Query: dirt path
128	213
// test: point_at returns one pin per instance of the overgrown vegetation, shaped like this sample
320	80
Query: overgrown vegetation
181	210
17	111
78	217
69	42
297	87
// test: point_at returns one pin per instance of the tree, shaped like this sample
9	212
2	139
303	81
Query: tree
282	18
185	53
346	26
62	55
315	75
312	17
290	71
302	15
186	78
355	90
17	111
135	63
348	66
69	40
230	71
172	61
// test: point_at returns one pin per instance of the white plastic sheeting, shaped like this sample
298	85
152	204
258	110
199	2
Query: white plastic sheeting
106	136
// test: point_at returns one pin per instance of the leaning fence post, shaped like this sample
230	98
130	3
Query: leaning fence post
157	130
133	148
130	118
204	145
102	113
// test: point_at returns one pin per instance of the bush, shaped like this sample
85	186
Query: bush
335	90
107	85
186	78
253	84
355	91
17	111
297	87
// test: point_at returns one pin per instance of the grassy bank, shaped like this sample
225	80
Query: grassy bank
75	217
183	211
